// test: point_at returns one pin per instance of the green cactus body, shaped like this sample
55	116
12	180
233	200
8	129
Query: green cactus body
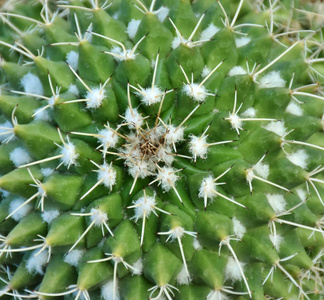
168	149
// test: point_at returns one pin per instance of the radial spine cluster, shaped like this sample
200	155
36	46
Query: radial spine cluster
161	149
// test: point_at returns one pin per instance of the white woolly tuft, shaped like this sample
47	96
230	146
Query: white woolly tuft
73	89
108	174
299	158
108	138
151	95
137	267
271	80
8	125
239	229
278	127
35	264
209	32
22	212
72	58
178	232
132	28
198	146
95	97
183	278
294	109
216	295
207	188
99	217
276	242
69	155
49	215
249	113
277	202
42	114
237	70
107	291
262	170
167	178
121	55
162	13
144	204
301	194
31	84
196	92
141	169
205	71
232	270
47	171
196	244
174	134
19	156
72	258
134	119
242	41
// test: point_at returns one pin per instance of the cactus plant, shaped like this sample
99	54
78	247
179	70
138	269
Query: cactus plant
168	149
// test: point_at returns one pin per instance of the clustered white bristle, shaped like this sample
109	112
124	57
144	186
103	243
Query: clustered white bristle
183	278
249	113
72	258
276	241
238	228
197	246
205	71
232	271
278	127
6	125
41	114
22	212
19	156
262	169
294	109
47	171
72	58
237	70
301	194
209	32
299	158
73	89
32	84
162	13
271	80
137	267
49	215
36	262
277	202
132	28
107	291
242	41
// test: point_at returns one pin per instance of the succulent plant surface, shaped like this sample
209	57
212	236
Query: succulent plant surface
161	149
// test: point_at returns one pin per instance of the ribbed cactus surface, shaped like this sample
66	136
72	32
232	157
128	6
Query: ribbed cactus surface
161	149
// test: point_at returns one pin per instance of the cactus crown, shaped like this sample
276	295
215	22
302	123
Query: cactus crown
168	149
